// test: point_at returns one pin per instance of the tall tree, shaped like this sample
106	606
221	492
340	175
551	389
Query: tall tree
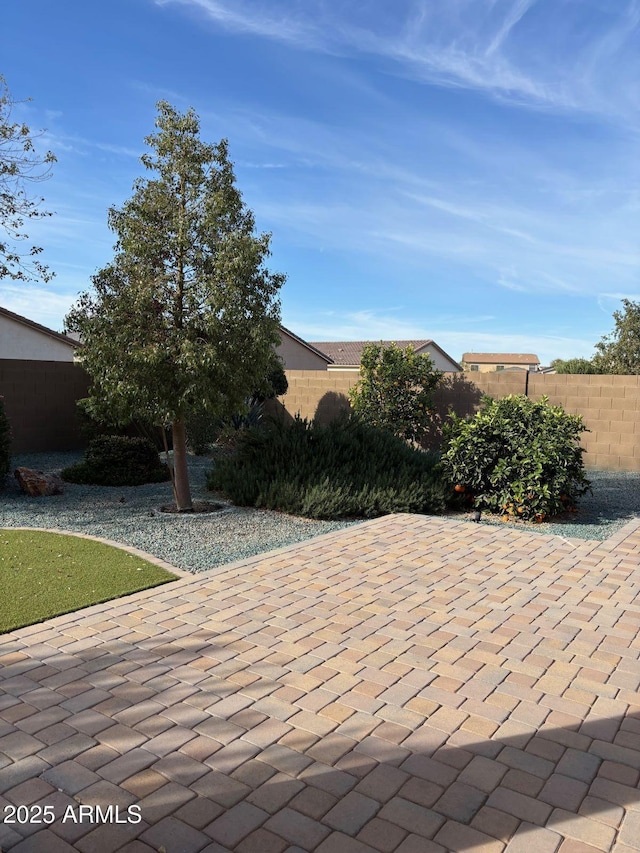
574	365
20	165
185	318
619	351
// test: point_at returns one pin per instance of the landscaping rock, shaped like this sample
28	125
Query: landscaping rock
37	484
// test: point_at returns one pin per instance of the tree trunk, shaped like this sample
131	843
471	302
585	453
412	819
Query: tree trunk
182	489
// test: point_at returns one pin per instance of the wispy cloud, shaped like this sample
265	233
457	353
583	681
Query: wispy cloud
372	325
40	304
290	26
470	44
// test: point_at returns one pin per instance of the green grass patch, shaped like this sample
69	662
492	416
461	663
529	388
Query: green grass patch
46	574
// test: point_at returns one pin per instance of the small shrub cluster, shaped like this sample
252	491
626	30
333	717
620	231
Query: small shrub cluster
5	443
345	469
118	460
517	457
92	425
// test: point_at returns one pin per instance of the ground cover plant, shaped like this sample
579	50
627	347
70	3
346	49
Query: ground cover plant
341	470
118	460
44	574
516	457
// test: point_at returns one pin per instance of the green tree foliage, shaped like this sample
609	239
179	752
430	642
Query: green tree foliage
574	365
185	318
517	457
619	352
343	469
395	390
20	165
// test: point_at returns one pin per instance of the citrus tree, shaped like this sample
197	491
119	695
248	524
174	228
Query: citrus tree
395	390
516	457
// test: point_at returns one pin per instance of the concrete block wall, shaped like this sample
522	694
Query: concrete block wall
610	408
317	393
40	399
40	402
609	405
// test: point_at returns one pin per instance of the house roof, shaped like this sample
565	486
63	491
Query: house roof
302	342
65	339
348	353
501	357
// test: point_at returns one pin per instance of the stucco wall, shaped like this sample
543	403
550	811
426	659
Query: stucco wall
18	341
491	368
298	357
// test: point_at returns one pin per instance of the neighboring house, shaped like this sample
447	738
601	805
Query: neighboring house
26	340
486	362
345	355
297	354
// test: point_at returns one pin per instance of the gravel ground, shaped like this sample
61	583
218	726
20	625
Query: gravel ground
132	515
614	502
199	542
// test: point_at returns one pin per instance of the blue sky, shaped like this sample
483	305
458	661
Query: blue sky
462	170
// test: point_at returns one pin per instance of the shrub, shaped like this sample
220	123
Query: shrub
395	390
5	443
203	430
517	457
93	422
118	460
344	469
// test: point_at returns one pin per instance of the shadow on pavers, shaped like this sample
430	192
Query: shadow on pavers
225	760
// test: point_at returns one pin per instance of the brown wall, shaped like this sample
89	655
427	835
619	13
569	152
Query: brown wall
609	405
40	402
40	397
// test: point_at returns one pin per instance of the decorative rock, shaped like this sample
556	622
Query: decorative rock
37	484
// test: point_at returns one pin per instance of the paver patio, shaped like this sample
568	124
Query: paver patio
410	685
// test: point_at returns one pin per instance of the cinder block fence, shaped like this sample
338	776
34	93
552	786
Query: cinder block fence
40	398
609	405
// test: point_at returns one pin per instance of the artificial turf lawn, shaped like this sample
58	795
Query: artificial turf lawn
46	574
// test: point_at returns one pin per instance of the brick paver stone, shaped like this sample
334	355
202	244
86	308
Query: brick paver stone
297	828
351	813
173	834
236	823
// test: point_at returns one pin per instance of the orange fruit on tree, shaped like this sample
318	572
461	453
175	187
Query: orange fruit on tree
458	488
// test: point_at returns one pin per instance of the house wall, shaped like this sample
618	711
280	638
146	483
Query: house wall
40	402
491	368
440	361
609	405
19	341
295	356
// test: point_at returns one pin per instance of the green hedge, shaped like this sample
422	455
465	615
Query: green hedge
344	469
118	460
